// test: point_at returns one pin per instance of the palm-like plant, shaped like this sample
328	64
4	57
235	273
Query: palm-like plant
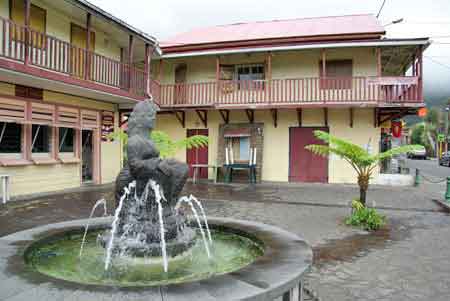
359	158
166	146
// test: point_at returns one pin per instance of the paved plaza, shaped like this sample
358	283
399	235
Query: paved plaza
407	260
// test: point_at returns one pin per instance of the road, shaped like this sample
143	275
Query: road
429	168
432	176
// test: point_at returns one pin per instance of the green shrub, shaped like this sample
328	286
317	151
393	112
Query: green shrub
367	218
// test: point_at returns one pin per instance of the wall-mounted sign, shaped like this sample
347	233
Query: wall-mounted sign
392	81
107	125
396	128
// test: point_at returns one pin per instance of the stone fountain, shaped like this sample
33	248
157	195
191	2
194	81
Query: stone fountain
236	260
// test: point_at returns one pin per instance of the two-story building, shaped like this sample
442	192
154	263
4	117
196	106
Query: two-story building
259	90
66	69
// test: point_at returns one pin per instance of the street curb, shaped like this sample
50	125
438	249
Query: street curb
443	204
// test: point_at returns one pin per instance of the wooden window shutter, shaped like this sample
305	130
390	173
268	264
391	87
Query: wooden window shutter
43	114
89	119
78	37
38	17
12	110
68	117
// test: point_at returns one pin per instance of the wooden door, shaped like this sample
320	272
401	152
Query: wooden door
197	155
304	166
78	38
180	87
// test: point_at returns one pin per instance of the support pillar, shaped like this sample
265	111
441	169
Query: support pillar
147	66
130	60
27	31
87	74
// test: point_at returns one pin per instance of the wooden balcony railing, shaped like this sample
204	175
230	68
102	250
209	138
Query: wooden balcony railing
338	90
53	54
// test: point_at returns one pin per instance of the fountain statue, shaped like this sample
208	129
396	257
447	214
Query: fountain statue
138	230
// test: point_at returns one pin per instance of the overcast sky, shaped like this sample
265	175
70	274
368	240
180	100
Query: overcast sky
422	18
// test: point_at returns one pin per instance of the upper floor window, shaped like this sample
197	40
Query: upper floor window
338	74
249	76
37	19
10	138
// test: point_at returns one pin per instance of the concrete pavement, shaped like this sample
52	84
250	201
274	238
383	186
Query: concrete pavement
407	260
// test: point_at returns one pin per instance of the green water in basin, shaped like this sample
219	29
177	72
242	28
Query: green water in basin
59	258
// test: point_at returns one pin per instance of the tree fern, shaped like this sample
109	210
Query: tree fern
167	147
359	158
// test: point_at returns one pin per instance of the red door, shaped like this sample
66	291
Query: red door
197	155
304	166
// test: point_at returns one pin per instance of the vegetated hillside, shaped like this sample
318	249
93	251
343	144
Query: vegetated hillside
434	97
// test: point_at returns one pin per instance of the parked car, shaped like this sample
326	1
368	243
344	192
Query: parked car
419	153
445	159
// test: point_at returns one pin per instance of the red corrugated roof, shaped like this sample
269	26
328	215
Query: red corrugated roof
278	29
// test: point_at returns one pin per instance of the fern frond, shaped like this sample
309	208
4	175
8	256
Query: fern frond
397	151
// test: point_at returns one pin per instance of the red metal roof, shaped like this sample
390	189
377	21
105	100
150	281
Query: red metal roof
278	29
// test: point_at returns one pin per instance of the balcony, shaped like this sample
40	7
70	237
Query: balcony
320	91
44	56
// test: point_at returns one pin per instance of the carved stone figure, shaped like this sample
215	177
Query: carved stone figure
139	229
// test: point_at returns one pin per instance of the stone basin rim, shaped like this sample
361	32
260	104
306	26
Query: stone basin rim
286	259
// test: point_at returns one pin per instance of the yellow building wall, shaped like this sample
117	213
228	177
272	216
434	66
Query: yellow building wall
35	179
276	140
44	178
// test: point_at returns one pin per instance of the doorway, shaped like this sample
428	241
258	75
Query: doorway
197	155
180	87
87	151
304	166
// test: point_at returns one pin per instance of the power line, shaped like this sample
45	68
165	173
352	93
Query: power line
437	62
381	8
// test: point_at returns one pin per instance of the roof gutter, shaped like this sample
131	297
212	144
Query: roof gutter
379	43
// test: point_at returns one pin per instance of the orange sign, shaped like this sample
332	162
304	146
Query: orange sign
422	112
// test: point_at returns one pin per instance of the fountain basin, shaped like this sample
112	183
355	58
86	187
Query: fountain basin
279	266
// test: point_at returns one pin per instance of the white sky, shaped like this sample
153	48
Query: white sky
422	18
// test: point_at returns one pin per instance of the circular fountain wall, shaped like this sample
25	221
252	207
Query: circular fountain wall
254	261
58	256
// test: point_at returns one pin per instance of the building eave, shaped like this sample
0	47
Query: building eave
319	45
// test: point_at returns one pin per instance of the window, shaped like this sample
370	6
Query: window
37	19
66	140
251	75
240	147
10	138
338	74
41	139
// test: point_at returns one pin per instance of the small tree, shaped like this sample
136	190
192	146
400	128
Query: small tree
166	146
362	162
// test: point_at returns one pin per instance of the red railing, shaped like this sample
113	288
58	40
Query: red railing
338	90
50	53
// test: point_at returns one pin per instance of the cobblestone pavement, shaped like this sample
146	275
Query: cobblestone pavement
408	260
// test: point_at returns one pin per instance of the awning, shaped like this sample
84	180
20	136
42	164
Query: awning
243	132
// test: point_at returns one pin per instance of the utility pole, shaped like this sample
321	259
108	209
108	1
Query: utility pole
446	111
